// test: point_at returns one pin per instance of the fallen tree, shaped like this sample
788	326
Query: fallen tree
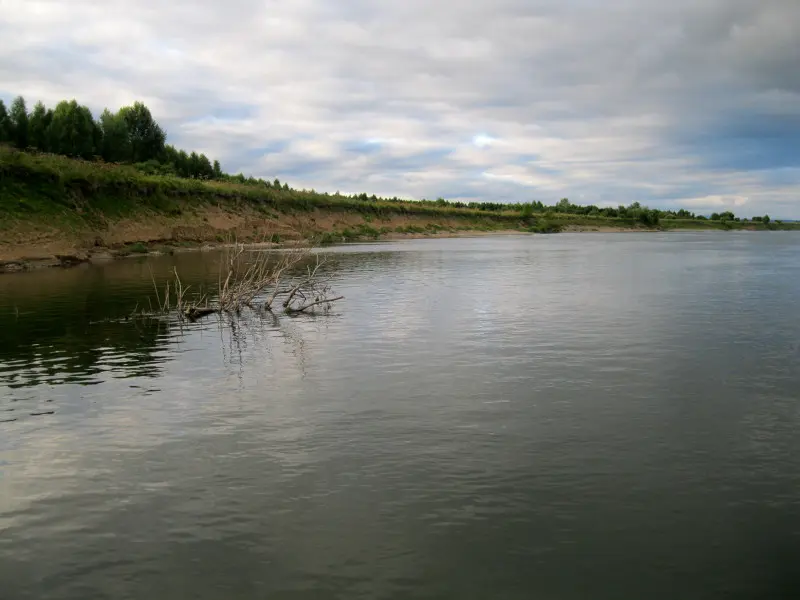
256	279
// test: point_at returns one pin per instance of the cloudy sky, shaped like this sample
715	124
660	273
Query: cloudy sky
678	103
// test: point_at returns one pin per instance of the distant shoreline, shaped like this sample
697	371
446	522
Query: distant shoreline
15	259
59	211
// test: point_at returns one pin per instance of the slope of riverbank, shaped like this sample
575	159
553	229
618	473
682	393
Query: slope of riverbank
59	211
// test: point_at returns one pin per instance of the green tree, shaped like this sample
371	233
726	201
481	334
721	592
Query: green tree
218	170
73	130
38	127
147	137
766	219
194	165
182	164
527	211
170	155
48	131
650	218
116	145
206	170
5	124
97	139
19	123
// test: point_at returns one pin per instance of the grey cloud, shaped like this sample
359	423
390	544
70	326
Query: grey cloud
661	102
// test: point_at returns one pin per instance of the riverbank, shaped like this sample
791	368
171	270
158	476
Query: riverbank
57	211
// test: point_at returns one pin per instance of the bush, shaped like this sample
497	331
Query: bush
545	226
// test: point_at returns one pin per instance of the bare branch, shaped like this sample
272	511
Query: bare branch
315	303
245	275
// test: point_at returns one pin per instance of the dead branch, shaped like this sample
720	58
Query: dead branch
193	313
305	307
306	281
245	277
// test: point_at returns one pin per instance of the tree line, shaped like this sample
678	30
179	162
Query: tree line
128	136
132	136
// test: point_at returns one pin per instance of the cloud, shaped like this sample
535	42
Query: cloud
513	100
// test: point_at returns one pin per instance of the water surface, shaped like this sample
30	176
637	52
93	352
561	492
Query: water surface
569	416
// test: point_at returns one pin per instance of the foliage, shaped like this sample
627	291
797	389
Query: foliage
72	130
132	137
18	118
146	136
38	127
116	145
5	124
129	136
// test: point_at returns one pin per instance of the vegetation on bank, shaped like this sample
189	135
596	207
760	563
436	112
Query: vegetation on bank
75	195
65	168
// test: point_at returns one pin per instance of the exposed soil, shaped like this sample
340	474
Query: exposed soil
25	246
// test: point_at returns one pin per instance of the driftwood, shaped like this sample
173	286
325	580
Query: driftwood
305	307
247	277
193	313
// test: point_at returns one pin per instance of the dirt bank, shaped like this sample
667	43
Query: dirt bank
30	245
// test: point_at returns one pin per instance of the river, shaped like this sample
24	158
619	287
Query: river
571	416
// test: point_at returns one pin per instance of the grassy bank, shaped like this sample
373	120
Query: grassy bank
52	206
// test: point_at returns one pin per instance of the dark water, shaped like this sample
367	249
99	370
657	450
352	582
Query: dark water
556	417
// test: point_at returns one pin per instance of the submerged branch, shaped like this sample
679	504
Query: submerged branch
312	304
245	277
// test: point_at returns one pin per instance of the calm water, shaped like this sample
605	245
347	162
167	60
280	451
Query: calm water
556	417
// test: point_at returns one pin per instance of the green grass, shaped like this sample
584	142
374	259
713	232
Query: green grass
36	184
77	195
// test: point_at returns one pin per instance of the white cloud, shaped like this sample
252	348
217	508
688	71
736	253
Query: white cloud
713	202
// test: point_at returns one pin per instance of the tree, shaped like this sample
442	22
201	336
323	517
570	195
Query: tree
147	137
97	138
205	168
72	130
116	146
194	165
5	124
182	164
19	123
170	155
38	127
217	170
527	211
648	217
766	219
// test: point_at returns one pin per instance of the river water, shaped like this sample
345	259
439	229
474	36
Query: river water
569	416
